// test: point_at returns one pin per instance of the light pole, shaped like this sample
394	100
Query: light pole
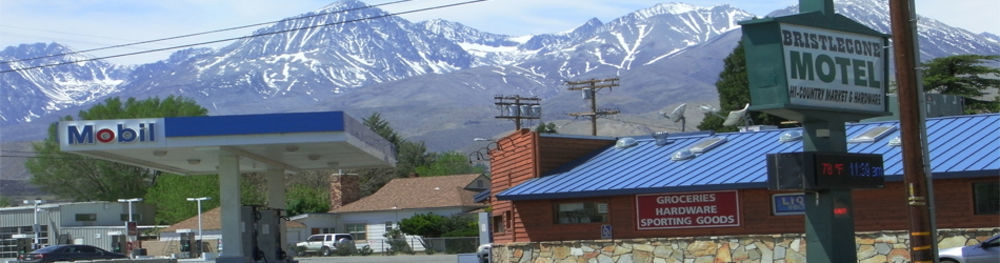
130	201
35	228
199	199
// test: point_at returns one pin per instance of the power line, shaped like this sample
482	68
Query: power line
200	33
244	37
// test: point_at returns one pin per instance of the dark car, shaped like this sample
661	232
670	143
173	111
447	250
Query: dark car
68	253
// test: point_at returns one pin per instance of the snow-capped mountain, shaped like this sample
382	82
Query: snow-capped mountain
435	80
937	39
34	93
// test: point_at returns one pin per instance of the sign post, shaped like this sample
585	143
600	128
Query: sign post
821	69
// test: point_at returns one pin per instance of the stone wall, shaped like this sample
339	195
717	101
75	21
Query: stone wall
881	246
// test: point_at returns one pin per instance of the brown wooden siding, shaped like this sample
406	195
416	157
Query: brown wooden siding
512	164
558	151
874	209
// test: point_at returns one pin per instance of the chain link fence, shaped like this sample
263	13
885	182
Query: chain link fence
414	245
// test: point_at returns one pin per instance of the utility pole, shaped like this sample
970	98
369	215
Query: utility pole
518	108
913	133
590	88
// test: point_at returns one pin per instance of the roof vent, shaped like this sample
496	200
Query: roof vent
790	136
896	141
625	143
682	155
661	138
707	144
873	134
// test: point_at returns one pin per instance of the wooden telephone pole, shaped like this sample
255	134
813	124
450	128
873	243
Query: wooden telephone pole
518	108
589	88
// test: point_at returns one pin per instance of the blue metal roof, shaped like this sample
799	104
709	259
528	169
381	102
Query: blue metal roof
959	146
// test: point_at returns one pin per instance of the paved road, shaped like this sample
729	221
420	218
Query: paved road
383	259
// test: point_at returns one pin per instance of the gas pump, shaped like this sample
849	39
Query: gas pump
118	243
185	244
264	241
23	245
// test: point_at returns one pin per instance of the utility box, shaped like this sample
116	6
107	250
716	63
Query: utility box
824	170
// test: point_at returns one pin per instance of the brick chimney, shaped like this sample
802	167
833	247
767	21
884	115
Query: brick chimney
344	189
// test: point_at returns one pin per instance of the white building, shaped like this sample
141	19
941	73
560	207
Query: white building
91	223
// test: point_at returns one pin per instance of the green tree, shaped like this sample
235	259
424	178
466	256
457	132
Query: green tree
304	199
965	75
546	127
447	164
425	225
171	191
409	156
734	93
6	201
73	177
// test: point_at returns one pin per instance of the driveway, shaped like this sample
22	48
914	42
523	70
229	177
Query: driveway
383	259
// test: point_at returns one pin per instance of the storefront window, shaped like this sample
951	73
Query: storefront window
987	198
358	231
573	213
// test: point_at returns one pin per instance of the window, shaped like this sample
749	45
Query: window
588	212
987	198
86	217
135	217
357	231
388	226
498	224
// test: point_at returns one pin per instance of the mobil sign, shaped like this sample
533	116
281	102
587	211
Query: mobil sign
107	134
687	210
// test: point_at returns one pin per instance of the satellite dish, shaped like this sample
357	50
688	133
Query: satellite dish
736	117
677	115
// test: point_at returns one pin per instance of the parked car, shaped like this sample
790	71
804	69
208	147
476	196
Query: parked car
67	253
324	244
484	253
988	251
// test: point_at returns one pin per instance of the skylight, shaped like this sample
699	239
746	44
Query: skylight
896	141
790	136
873	134
625	143
682	155
707	144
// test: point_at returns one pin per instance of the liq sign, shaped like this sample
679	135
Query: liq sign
808	63
687	210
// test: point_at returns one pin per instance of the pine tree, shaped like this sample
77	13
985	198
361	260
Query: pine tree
734	93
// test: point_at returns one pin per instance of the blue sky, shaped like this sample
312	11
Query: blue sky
84	24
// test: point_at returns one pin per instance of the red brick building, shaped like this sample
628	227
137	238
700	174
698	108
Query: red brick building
556	187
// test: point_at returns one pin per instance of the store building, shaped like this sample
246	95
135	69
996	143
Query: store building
563	188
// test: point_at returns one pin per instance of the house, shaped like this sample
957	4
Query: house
211	231
581	190
368	218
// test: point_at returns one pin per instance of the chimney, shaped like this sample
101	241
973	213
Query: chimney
344	189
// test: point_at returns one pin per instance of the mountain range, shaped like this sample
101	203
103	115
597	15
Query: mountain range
434	81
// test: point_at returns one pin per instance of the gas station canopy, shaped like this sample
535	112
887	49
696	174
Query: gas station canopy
192	145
